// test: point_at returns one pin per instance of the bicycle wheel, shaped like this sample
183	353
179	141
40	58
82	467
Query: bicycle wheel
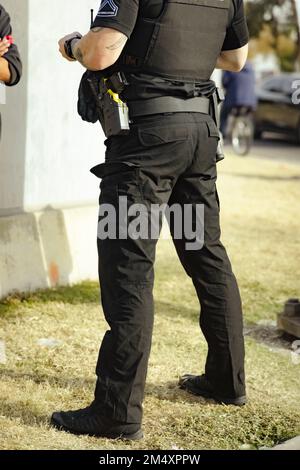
242	136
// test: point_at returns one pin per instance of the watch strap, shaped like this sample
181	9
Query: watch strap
68	46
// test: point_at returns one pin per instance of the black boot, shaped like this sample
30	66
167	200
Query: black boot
200	386
89	421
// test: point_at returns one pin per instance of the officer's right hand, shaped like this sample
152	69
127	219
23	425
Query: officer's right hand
4	46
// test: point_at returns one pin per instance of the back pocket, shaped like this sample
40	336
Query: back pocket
152	136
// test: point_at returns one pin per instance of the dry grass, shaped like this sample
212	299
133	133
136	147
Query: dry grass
262	230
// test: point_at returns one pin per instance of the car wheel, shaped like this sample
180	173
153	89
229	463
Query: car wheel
257	134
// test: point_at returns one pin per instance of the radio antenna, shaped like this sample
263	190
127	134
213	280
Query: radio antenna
92	17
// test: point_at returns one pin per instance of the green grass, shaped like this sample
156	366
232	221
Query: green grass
261	229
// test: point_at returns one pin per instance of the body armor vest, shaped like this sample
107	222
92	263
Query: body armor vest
182	44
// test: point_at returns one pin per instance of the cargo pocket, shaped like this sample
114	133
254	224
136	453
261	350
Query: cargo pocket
112	168
118	179
214	141
213	131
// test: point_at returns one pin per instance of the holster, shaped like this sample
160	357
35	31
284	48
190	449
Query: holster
217	98
99	100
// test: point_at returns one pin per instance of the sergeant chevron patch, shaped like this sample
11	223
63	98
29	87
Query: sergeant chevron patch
107	9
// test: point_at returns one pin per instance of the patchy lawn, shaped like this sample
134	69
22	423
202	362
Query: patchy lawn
261	228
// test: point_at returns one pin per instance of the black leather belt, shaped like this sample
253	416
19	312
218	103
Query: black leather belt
166	104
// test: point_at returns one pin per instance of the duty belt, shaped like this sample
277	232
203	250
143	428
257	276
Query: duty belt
166	104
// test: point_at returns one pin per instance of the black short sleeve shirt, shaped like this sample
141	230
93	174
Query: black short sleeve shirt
118	14
237	32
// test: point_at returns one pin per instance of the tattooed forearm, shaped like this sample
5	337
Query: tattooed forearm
98	52
117	44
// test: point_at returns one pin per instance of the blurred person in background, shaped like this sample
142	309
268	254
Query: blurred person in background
10	61
240	93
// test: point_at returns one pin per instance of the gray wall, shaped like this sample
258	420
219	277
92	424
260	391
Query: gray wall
48	198
46	150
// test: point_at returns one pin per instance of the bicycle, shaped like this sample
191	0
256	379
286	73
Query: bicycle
240	130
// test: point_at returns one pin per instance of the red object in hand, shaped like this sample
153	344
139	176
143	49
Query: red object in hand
10	39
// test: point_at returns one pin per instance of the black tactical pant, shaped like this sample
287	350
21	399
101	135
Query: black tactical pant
165	159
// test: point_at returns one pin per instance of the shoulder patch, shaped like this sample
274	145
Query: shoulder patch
108	9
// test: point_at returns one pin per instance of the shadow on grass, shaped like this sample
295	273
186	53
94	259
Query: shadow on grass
168	391
28	416
171	392
84	293
54	381
23	412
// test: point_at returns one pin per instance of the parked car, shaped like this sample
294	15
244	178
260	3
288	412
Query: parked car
276	111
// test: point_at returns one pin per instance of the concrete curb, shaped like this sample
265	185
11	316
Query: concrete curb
292	444
45	249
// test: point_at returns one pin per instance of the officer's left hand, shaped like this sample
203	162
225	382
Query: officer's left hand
61	44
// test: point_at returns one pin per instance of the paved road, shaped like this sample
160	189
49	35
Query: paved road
278	150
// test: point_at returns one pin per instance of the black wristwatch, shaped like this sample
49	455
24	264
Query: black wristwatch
68	46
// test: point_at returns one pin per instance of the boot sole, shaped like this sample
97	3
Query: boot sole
137	436
239	401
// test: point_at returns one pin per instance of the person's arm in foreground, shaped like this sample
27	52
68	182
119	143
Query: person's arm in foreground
10	62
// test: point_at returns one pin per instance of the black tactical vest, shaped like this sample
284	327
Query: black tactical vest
183	43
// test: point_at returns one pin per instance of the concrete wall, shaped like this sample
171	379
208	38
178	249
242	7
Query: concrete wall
45	155
47	248
46	150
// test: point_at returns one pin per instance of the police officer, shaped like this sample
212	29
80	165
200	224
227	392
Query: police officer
166	51
10	62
